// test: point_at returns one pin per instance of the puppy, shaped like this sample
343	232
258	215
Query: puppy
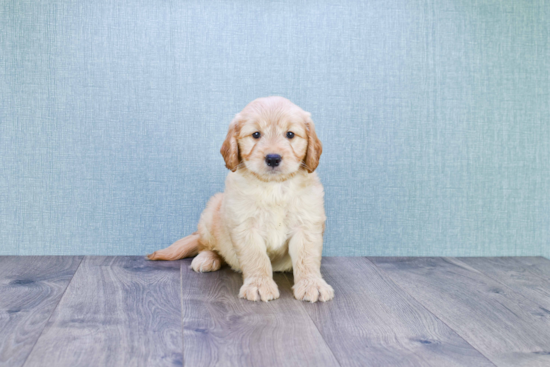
271	216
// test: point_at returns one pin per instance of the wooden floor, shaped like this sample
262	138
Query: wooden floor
126	311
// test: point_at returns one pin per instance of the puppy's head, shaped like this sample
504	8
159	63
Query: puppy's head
272	138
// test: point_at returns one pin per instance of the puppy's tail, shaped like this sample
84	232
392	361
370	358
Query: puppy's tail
186	247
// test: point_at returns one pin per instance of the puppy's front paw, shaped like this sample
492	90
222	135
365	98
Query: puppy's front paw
313	290
259	288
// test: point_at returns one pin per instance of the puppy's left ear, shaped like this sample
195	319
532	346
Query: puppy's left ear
230	147
314	146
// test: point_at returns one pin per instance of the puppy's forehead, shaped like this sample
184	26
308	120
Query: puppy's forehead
273	114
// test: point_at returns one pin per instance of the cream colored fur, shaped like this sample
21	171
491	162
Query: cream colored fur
268	218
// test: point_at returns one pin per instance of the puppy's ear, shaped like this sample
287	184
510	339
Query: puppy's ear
314	146
230	147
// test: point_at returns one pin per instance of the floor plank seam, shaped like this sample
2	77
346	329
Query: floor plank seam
388	276
53	311
182	320
316	327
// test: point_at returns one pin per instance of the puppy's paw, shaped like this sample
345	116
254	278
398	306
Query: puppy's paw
206	261
313	290
259	288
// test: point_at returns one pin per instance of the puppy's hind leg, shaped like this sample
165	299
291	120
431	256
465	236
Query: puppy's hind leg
207	261
186	247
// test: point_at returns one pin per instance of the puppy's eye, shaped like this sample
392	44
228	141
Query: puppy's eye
290	134
256	135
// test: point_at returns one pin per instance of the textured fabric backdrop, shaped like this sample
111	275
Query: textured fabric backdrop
434	117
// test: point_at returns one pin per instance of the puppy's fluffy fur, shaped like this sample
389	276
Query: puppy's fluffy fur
269	218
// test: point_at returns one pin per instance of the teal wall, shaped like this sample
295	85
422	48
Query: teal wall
434	115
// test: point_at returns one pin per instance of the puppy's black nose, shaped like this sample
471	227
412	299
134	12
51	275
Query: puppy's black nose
272	160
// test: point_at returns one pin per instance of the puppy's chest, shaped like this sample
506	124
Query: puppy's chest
274	213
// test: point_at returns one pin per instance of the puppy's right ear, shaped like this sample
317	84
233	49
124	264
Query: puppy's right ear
230	147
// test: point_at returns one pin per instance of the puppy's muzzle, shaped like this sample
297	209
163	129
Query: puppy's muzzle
273	160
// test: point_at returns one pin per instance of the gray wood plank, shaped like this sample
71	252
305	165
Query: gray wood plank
503	325
117	311
537	265
372	322
30	289
515	274
221	329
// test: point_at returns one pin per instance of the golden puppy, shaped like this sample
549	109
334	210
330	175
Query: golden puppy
271	216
